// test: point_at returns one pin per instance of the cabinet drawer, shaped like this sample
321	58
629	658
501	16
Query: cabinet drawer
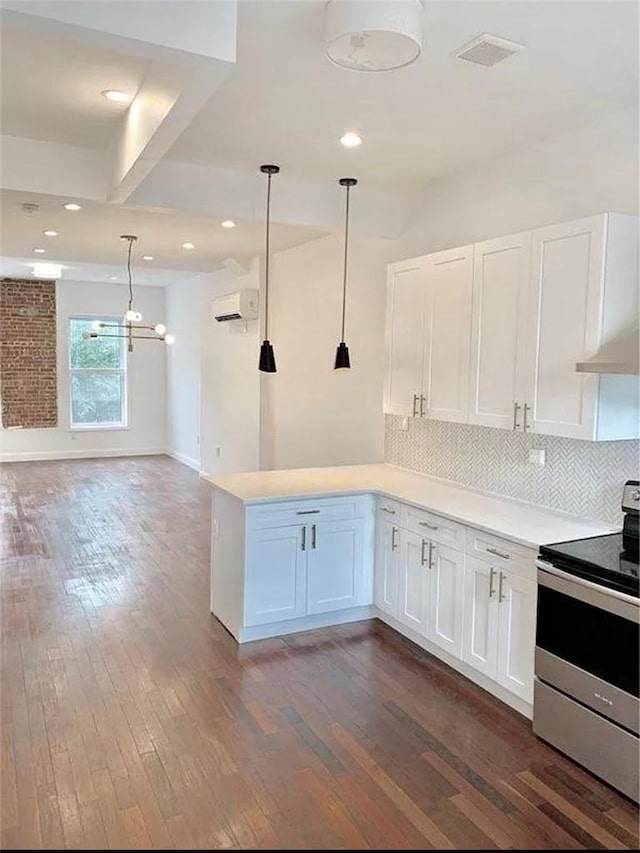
388	510
501	553
282	513
433	527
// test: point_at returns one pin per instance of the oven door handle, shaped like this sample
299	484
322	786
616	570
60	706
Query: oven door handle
611	600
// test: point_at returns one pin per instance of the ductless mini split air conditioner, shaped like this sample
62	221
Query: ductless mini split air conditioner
241	305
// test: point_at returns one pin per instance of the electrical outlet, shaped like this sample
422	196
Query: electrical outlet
218	452
537	456
404	424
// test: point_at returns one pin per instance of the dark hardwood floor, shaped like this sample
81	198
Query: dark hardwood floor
131	719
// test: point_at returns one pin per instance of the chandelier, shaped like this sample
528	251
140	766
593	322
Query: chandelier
127	329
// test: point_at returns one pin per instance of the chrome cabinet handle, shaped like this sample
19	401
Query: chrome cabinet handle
307	512
303	544
516	409
432	548
415	406
313	536
501	597
426	524
492	574
527	409
498	553
422	402
423	559
386	509
394	533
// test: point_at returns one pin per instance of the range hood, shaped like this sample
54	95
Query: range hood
621	355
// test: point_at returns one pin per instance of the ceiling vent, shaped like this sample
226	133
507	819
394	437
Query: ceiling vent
488	50
30	208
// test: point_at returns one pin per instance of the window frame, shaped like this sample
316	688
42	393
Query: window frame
122	372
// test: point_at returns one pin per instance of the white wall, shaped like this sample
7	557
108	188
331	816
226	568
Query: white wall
145	384
183	304
320	416
591	170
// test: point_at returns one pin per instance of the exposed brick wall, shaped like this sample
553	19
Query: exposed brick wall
28	353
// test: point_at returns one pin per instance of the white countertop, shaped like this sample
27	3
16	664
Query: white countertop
513	520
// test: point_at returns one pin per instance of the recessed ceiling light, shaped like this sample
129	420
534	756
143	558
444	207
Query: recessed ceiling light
39	251
147	257
50	233
188	246
228	223
350	140
115	95
71	205
113	278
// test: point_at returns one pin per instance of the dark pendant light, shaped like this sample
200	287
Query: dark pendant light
267	363
342	352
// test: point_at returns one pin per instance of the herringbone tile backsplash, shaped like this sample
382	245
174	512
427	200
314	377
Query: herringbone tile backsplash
584	478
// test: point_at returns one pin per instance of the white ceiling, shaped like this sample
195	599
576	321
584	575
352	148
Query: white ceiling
91	236
51	88
285	102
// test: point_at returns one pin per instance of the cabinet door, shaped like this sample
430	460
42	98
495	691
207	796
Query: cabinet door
516	634
447	334
480	626
446	598
564	319
406	296
386	567
501	276
412	577
336	570
275	580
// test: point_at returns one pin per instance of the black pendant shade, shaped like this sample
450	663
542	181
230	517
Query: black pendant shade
342	353
267	363
342	356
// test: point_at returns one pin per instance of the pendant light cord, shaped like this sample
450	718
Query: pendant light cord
129	273
266	262
346	255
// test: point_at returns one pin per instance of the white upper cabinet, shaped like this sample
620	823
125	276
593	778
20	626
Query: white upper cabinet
501	274
448	277
502	324
406	298
584	291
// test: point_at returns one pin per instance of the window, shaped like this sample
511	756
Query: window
97	376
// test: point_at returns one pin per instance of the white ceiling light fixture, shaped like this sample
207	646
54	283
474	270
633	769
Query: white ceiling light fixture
39	251
228	223
373	35
50	233
127	329
72	205
116	95
147	257
188	246
46	270
350	139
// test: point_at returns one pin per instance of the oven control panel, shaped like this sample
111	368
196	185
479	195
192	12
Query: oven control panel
631	496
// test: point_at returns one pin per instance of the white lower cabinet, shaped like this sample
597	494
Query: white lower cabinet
336	566
499	626
445	598
412	581
385	591
275	579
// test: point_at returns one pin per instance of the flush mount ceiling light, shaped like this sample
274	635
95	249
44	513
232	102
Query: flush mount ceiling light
267	361
188	246
147	257
350	140
228	223
39	251
127	329
116	95
47	270
342	353
373	35
72	205
50	233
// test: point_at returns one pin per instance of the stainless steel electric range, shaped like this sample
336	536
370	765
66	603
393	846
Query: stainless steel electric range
587	662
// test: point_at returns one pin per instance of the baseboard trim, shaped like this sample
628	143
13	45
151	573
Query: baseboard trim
181	457
52	455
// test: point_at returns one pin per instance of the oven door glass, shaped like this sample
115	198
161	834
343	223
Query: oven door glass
602	643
